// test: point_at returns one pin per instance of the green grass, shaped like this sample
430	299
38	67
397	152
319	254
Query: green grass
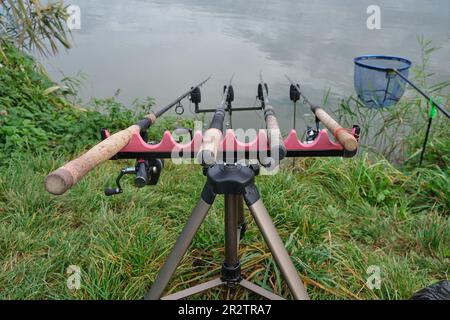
336	217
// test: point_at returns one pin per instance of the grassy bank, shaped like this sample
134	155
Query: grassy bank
337	217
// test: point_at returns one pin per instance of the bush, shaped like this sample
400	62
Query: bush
35	114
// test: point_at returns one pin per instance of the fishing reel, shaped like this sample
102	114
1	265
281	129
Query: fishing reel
311	133
146	173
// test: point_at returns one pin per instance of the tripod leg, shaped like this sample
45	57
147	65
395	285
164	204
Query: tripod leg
242	224
231	268
194	290
279	252
260	291
178	251
231	230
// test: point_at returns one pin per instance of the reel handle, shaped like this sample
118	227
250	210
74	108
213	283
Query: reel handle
112	191
62	179
347	140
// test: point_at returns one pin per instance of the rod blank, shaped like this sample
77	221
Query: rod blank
276	143
213	135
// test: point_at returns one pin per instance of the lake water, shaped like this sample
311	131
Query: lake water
161	48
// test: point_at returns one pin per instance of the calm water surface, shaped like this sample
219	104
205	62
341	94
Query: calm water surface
160	48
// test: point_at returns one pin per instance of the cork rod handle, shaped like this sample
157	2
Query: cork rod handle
347	140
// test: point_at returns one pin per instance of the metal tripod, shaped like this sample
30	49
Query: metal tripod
236	183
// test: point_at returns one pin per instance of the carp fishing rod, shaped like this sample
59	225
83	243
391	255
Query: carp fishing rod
277	147
213	135
62	179
345	138
294	96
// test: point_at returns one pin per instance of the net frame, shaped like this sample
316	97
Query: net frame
379	86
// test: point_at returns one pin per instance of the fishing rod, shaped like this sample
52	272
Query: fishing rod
62	179
213	135
346	139
277	147
294	95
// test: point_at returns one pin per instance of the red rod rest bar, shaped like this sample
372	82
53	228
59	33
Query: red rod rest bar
321	146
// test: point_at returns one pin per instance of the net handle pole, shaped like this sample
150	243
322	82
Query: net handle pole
439	107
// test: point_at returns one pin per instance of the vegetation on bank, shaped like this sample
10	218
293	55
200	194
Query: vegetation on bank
397	133
338	217
33	25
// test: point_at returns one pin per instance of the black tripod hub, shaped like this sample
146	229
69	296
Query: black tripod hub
231	179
